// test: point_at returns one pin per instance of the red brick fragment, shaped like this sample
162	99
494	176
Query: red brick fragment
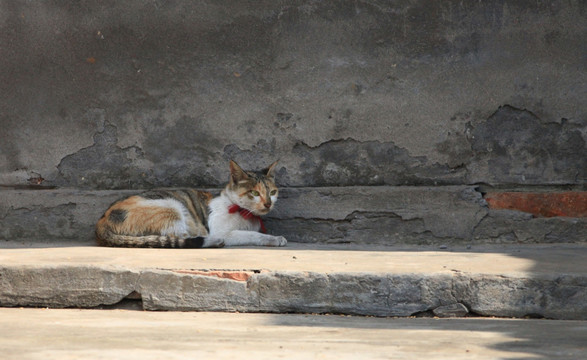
231	275
545	204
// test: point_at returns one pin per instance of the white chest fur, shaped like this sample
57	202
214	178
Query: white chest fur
221	221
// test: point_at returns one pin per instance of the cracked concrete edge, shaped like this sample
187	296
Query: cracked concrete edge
65	286
384	215
374	294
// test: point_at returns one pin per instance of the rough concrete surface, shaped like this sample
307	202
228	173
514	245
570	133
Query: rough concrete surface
536	281
384	215
355	98
30	334
147	94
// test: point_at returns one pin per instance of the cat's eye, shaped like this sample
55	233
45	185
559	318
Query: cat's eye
254	193
273	192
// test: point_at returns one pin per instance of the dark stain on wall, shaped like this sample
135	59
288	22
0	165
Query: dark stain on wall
343	93
514	146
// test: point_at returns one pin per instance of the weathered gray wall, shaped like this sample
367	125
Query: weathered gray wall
137	94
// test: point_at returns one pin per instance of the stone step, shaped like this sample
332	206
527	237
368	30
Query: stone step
384	215
72	334
507	281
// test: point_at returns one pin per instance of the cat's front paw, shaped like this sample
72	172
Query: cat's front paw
276	241
214	243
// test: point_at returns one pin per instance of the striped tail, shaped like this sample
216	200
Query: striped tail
149	241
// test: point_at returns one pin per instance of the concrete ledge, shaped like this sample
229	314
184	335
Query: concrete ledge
384	215
537	281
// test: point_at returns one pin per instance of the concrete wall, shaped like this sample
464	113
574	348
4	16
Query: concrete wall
140	94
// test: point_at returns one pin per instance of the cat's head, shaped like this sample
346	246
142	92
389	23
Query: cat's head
252	190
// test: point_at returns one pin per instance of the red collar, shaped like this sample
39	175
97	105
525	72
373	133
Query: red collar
247	215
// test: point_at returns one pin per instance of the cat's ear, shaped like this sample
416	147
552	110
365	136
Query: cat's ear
270	172
237	173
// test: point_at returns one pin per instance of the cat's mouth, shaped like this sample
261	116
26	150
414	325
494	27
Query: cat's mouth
262	211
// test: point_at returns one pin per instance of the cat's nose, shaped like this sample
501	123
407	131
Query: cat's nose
267	206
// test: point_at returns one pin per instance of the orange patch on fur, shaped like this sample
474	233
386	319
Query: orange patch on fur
142	219
262	192
206	196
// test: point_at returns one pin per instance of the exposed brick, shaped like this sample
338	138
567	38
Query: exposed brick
570	204
231	275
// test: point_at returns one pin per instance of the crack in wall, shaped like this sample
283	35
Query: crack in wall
345	162
104	165
511	146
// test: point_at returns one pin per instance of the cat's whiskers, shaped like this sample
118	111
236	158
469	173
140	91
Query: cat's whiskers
191	218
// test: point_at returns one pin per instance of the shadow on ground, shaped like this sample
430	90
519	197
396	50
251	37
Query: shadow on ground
536	339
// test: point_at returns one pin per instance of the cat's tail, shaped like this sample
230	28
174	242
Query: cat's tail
149	241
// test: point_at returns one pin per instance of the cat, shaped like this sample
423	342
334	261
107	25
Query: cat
188	218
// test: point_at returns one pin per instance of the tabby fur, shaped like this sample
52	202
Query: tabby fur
188	218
